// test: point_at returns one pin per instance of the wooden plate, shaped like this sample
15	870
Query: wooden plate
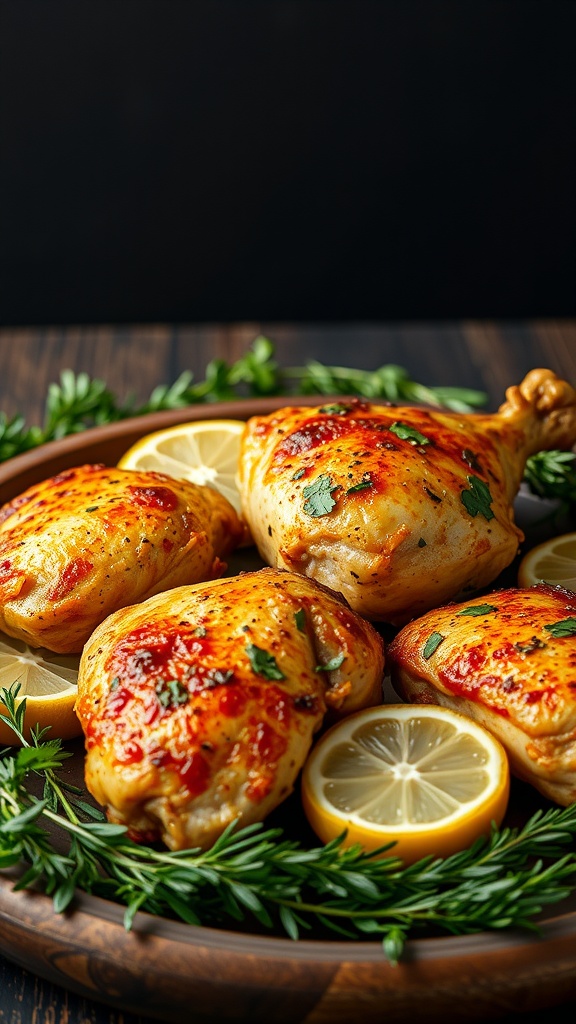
175	972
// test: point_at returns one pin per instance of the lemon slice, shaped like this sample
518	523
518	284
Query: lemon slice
204	451
47	680
426	778
553	561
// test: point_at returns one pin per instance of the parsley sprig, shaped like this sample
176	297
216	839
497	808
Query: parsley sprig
78	402
256	873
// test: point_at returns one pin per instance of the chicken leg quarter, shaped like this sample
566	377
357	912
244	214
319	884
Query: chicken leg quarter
399	509
199	705
508	662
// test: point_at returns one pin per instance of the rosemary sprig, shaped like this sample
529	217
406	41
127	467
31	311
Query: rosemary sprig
254	872
389	382
78	402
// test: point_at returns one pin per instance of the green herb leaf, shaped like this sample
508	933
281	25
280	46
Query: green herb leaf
432	644
501	881
361	486
300	620
95	813
563	628
552	474
390	382
393	944
263	663
478	609
171	693
477	499
335	410
319	496
534	644
78	402
331	665
407	433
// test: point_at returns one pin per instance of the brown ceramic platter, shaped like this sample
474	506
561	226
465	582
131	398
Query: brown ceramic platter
174	972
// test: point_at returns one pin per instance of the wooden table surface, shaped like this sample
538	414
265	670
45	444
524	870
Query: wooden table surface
134	359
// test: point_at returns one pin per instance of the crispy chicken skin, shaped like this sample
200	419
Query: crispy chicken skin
92	539
199	706
508	660
399	509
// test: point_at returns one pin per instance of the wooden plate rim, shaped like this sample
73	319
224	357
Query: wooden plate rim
557	931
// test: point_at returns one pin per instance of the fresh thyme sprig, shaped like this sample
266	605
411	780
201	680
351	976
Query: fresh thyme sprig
79	402
254	872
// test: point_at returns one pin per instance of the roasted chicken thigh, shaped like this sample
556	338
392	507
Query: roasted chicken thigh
92	539
399	509
199	706
507	660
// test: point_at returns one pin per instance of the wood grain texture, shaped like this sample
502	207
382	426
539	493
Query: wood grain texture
25	999
133	360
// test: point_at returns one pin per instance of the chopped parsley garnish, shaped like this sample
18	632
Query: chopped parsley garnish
298	474
200	631
319	496
338	409
535	644
300	619
407	433
263	663
432	644
171	693
331	665
477	499
361	486
565	627
478	609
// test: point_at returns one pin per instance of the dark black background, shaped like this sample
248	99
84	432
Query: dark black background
181	161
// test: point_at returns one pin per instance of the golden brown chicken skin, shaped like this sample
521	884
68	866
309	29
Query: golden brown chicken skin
398	508
507	660
199	706
92	539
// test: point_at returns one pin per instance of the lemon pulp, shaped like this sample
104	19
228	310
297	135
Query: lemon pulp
426	778
47	681
553	561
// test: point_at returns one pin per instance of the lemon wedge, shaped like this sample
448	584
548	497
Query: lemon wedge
553	561
426	778
203	451
47	681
